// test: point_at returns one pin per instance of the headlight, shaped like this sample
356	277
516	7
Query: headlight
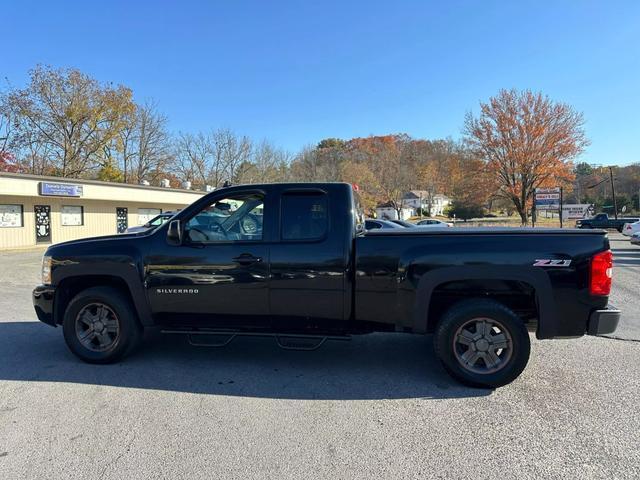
46	270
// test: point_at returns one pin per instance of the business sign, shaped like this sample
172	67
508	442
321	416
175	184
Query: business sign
547	198
59	189
576	211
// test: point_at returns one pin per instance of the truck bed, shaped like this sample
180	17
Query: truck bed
398	270
483	231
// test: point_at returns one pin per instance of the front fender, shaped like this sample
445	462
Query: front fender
123	267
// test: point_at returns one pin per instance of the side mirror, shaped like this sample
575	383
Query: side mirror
174	233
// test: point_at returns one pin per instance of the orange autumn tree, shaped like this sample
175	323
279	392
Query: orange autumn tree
367	181
387	157
528	141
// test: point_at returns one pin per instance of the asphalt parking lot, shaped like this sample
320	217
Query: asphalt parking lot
379	406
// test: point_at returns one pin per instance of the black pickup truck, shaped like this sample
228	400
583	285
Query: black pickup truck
602	220
294	261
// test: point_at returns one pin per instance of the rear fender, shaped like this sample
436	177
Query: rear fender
536	277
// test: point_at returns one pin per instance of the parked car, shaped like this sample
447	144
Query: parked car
602	220
635	238
309	272
404	223
433	222
630	228
375	224
154	222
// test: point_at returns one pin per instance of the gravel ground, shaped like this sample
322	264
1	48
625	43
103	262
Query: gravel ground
379	406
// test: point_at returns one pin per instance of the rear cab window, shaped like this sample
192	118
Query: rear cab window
304	216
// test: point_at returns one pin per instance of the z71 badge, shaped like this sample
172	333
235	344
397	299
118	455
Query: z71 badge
551	263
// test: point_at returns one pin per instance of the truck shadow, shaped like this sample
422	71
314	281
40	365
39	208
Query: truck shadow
378	366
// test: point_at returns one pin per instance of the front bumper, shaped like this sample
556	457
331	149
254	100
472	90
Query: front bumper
603	321
43	296
635	240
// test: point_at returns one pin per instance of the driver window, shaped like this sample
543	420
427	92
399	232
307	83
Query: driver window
235	218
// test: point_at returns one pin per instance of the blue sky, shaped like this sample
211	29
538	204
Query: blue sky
297	72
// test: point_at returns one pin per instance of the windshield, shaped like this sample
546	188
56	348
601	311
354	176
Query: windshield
404	223
158	220
358	212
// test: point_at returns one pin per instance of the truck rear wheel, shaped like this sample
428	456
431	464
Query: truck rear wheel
482	343
100	325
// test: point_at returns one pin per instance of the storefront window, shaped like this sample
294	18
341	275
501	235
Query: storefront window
72	215
146	214
10	216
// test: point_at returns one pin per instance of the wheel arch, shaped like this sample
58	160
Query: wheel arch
70	286
534	277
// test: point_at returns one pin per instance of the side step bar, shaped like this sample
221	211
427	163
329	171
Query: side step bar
286	341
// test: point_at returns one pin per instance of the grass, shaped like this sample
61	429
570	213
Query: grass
513	221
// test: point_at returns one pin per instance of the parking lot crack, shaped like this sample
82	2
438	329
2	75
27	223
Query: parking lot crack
117	458
612	337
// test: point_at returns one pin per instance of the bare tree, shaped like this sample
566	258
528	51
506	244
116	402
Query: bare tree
152	154
269	163
193	157
213	158
125	144
230	151
305	166
7	126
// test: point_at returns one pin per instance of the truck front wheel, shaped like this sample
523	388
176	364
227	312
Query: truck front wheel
100	325
482	343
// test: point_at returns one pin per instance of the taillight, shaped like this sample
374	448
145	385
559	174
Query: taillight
601	269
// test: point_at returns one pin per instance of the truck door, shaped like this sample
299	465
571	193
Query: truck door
307	263
219	276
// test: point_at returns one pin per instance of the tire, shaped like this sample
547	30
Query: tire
459	339
100	325
619	229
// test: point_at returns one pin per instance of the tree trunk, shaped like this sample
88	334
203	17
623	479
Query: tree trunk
523	216
521	208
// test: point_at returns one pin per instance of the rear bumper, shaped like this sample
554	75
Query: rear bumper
43	296
603	321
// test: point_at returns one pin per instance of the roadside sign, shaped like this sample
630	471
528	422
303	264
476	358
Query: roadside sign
576	211
547	198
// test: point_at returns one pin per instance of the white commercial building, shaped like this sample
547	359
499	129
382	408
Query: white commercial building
36	210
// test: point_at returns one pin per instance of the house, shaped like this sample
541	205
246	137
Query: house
416	199
386	211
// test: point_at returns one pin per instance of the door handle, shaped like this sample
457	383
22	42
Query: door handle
246	259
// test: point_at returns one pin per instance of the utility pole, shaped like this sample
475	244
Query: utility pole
534	212
561	202
613	194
